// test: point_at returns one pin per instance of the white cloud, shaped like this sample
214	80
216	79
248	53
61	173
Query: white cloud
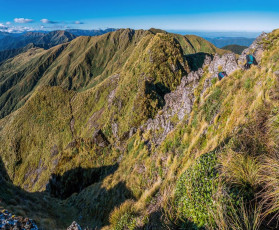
8	23
3	28
22	20
15	29
78	22
46	21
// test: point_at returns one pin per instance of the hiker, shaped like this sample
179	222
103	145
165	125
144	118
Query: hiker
221	75
250	60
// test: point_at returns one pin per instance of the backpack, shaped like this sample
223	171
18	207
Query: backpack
250	59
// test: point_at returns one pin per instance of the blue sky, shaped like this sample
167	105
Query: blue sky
199	15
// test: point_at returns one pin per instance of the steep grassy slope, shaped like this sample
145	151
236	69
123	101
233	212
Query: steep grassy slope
49	212
116	105
19	79
217	169
78	65
111	84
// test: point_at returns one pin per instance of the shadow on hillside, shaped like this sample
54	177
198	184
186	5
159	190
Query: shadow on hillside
154	222
196	60
87	201
156	92
75	180
100	202
84	189
3	174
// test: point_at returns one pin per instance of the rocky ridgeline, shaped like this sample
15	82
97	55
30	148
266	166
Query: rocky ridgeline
12	222
180	102
227	63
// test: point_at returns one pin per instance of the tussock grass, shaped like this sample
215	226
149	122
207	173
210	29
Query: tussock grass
270	180
242	217
240	169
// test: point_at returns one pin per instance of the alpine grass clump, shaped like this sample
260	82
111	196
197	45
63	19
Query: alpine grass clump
124	217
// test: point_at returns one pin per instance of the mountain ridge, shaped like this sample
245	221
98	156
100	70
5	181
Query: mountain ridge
78	64
163	135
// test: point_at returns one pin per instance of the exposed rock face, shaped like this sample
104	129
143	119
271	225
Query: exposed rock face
276	73
178	103
74	226
207	61
133	130
227	63
100	138
10	221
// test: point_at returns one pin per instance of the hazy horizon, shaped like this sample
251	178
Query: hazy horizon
201	33
236	15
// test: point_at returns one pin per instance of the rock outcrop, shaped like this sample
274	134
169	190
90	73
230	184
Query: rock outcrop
74	226
178	103
12	222
100	139
226	63
256	49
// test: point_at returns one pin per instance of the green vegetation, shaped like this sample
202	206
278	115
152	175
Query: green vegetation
212	104
216	170
80	64
196	189
124	217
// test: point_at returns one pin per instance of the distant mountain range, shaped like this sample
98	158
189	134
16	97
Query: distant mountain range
78	32
224	41
40	39
235	48
44	39
47	40
12	44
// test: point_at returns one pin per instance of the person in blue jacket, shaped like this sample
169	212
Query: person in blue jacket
221	75
250	60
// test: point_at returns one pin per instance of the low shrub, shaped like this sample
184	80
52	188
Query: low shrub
196	189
